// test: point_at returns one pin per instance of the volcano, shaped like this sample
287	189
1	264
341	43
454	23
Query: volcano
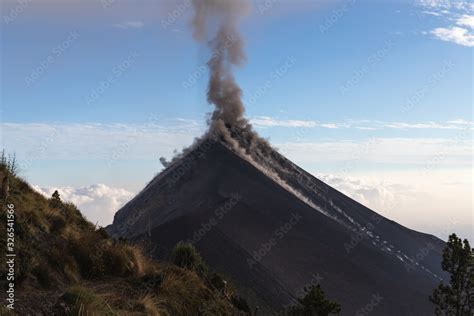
273	228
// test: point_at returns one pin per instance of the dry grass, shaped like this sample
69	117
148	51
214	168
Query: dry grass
5	311
150	306
137	263
183	292
84	301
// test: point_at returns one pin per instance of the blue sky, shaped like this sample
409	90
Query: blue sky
375	97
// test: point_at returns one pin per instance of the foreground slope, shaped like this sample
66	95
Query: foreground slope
64	265
274	229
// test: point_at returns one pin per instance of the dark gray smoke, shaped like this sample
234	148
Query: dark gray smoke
216	22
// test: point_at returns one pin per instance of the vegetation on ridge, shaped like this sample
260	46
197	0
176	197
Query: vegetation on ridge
67	266
457	297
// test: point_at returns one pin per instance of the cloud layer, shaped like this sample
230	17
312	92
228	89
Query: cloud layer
376	195
111	143
266	121
98	202
437	202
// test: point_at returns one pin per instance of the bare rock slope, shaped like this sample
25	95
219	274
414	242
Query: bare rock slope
273	229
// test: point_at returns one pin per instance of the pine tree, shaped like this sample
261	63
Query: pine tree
456	298
55	199
314	303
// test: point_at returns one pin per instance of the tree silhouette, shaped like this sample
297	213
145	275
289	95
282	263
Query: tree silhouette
55	199
456	298
314	303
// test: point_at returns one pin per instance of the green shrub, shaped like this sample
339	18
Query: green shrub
55	200
186	256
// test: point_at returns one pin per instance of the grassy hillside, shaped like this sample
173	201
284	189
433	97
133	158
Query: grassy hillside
66	266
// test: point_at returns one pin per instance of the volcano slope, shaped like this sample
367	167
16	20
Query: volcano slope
273	229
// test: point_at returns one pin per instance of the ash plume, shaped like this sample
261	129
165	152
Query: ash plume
216	22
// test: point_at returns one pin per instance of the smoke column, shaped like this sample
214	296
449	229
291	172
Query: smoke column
226	44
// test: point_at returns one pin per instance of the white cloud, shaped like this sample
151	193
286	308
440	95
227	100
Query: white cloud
130	25
330	125
447	5
376	195
431	13
97	202
466	20
413	199
266	121
366	128
461	122
455	34
447	11
429	125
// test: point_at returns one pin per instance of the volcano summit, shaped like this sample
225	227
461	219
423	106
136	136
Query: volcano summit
265	223
273	229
